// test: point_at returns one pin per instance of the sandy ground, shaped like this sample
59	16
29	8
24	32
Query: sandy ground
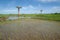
30	29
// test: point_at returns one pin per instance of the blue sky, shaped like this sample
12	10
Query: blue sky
29	6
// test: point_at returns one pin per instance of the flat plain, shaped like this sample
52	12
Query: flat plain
30	29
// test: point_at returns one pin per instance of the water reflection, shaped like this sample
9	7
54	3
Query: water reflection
16	17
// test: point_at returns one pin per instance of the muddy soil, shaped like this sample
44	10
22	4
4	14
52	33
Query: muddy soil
30	29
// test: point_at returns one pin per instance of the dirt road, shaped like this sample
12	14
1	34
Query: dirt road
31	29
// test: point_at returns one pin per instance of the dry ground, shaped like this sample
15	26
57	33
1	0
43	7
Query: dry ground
30	29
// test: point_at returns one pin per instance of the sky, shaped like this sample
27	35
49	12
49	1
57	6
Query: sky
29	6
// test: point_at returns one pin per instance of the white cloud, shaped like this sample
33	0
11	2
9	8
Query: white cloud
28	9
55	9
32	9
8	11
48	0
52	10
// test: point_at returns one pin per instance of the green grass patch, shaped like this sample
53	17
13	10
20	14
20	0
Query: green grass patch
55	17
0	36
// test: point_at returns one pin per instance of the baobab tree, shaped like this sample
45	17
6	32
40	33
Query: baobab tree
18	10
41	11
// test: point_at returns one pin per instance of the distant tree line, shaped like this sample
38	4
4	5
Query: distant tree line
56	13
